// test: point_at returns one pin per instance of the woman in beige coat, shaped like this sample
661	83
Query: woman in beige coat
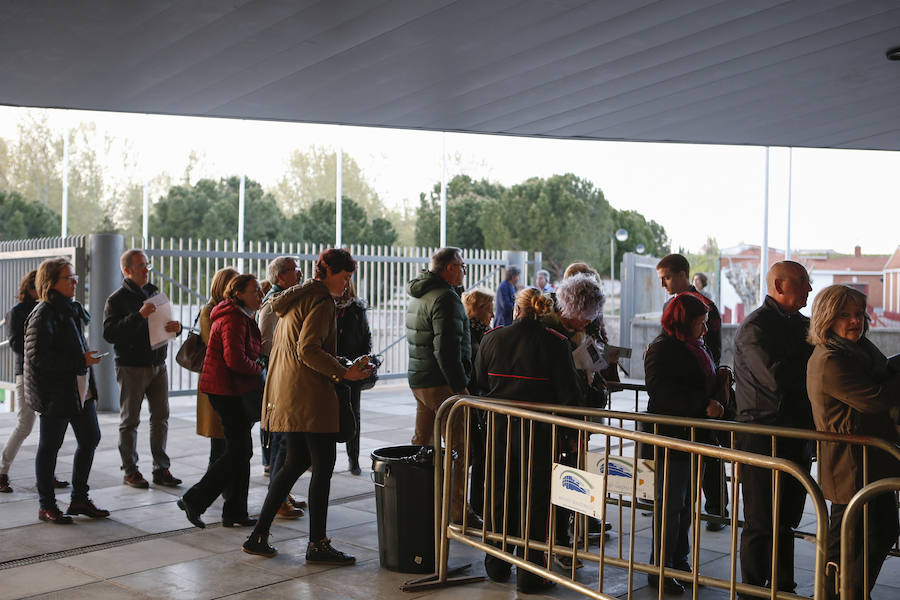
300	400
853	389
208	422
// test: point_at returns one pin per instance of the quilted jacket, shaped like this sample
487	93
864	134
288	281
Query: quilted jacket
230	367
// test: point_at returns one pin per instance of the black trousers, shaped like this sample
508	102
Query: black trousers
353	443
302	451
229	475
539	483
883	529
756	536
52	434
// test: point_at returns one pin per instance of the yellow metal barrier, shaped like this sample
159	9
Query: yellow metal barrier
527	415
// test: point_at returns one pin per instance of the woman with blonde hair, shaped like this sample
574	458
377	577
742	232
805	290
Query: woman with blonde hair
208	422
853	389
528	362
479	305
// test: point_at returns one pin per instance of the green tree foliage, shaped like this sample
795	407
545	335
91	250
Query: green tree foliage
640	231
316	224
466	201
20	219
564	217
209	209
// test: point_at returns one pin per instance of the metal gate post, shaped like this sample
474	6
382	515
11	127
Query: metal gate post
105	278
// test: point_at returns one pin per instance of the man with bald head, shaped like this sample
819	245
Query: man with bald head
770	356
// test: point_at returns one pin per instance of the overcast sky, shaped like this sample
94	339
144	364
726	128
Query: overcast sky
840	198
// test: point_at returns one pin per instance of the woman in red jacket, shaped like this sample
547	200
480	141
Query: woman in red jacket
231	370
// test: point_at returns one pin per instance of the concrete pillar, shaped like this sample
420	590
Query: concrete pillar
517	259
106	277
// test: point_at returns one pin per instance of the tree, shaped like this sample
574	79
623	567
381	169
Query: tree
312	176
20	219
564	217
209	209
316	224
640	231
466	200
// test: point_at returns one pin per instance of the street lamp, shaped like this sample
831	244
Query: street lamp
621	235
639	249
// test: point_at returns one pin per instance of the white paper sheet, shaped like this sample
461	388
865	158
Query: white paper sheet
82	388
158	319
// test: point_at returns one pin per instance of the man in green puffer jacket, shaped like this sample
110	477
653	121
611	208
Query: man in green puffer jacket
440	361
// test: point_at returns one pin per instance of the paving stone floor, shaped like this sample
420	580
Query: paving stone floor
147	549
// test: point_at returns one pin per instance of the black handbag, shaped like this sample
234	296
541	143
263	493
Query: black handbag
346	416
252	402
192	352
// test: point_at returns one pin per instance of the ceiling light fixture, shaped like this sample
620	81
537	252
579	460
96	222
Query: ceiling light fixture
893	53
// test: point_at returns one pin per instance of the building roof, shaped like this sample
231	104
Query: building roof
803	74
894	261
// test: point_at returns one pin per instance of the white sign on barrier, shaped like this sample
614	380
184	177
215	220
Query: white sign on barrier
576	490
621	474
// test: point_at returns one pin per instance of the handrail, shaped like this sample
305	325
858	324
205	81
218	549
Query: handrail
451	409
857	503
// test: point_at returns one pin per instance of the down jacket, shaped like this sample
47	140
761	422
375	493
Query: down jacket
230	367
54	357
437	330
300	394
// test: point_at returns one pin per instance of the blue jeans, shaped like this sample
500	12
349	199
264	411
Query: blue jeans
678	512
52	433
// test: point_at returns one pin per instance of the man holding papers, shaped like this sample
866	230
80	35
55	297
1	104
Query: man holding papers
131	322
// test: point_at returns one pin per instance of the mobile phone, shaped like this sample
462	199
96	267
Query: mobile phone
101	355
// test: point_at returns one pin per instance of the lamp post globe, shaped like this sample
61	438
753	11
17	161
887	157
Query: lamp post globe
639	249
622	235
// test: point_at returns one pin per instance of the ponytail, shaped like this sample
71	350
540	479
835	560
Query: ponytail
532	304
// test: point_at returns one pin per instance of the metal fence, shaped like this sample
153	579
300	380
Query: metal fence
183	270
17	258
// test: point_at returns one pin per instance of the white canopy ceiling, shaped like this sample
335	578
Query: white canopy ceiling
768	72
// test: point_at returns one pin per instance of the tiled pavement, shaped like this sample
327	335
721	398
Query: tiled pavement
146	548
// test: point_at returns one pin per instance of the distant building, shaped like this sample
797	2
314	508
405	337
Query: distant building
867	273
891	291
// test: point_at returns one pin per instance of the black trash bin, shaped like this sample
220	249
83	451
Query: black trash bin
404	499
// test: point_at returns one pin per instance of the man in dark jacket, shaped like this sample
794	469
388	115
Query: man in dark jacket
140	370
770	356
674	272
506	297
440	361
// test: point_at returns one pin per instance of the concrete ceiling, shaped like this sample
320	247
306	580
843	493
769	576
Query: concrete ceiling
767	72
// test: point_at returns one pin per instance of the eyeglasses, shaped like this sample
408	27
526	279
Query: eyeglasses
71	278
462	267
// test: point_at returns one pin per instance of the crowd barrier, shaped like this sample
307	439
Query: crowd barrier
625	503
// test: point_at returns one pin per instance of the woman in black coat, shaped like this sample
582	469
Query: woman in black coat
682	381
354	339
528	362
59	385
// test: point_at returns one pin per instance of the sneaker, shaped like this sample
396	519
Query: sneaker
266	470
86	508
259	545
301	504
163	477
60	484
288	511
135	480
53	515
4	484
565	562
322	553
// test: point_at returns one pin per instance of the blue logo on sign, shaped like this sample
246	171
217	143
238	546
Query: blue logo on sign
571	483
615	470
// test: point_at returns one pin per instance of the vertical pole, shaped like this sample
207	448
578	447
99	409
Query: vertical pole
241	207
612	270
145	221
65	186
764	249
787	251
106	248
338	199
444	189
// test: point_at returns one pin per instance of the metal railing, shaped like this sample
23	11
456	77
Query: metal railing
183	269
526	416
626	503
858	503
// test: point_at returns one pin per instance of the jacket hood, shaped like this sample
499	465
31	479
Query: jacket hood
424	283
309	289
225	307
